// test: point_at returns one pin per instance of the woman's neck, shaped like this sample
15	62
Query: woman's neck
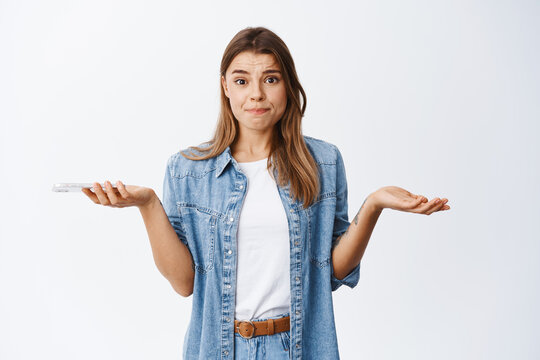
249	156
247	149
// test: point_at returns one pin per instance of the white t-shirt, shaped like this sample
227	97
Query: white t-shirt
263	267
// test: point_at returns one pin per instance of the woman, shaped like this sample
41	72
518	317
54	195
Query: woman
261	214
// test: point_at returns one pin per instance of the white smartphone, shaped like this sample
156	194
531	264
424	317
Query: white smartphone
75	187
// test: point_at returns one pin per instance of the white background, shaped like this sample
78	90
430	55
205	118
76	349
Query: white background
438	97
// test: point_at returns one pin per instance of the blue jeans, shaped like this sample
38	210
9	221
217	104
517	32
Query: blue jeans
267	347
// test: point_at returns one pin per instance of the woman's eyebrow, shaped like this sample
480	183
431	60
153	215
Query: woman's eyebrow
271	71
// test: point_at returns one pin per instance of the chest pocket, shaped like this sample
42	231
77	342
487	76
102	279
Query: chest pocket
200	225
321	225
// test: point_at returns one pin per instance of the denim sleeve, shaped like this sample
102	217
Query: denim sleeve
341	223
169	204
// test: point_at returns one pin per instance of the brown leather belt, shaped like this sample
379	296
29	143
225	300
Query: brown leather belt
248	329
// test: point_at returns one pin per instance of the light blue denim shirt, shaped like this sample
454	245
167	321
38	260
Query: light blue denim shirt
203	200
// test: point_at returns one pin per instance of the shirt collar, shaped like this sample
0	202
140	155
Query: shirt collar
222	160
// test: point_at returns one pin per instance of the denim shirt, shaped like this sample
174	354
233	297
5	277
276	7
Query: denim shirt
203	200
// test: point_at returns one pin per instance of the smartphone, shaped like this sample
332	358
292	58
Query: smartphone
75	187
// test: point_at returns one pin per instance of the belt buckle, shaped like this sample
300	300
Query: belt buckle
245	321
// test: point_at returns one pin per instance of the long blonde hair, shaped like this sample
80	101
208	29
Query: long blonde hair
289	152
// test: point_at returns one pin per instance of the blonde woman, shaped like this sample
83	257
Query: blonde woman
254	223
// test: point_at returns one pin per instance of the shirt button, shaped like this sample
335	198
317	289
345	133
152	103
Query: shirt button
241	187
228	286
296	243
297	346
231	219
227	319
297	278
297	312
226	352
229	252
291	210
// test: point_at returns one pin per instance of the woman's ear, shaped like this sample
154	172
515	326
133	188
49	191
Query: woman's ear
224	84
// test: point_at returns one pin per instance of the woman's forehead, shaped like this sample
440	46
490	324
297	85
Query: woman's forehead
250	61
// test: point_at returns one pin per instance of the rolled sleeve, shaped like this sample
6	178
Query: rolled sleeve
169	204
351	280
341	222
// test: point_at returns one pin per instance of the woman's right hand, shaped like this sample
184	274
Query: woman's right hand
122	196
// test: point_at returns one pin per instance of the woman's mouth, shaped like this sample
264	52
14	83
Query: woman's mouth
257	111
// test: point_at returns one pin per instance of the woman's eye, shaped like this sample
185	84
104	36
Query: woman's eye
243	82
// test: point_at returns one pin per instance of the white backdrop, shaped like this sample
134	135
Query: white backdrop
438	97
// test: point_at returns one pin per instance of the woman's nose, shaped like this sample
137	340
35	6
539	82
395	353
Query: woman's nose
256	92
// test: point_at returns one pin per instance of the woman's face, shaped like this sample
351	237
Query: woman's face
254	85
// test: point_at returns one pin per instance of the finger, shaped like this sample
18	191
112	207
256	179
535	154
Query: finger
427	206
122	189
91	195
420	204
444	201
103	199
413	203
446	206
110	192
420	199
435	207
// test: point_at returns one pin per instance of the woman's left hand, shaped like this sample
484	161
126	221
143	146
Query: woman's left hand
396	198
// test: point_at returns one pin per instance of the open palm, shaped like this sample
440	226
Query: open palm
397	198
122	196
